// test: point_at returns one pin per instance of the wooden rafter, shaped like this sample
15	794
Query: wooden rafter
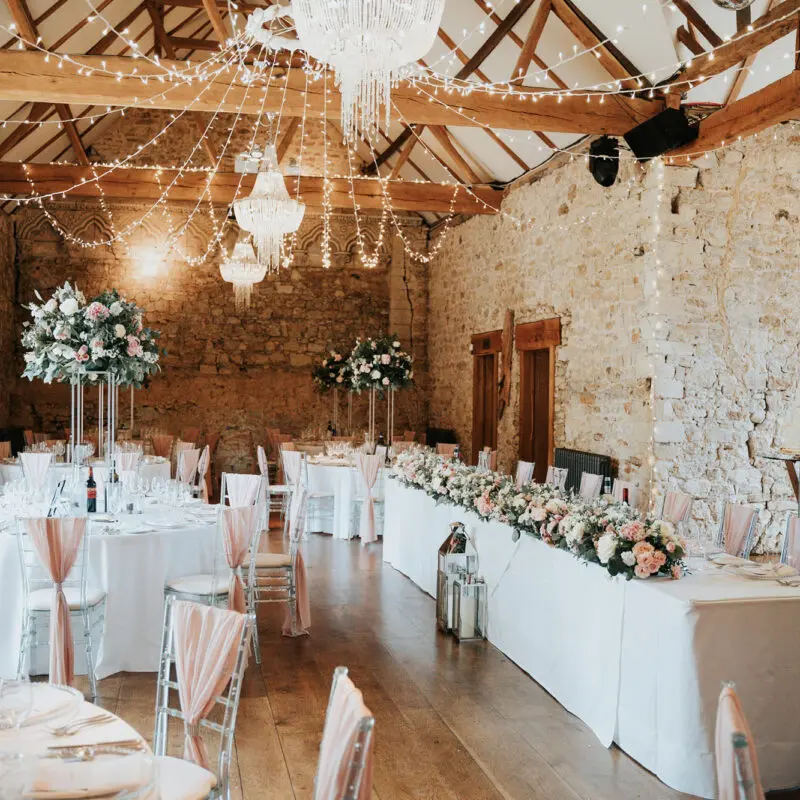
36	113
141	184
23	20
110	37
221	5
287	138
744	70
778	102
445	140
216	20
691	14
509	151
186	43
63	111
776	23
27	76
405	154
531	40
688	40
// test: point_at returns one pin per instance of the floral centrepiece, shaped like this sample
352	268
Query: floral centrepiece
333	372
69	336
610	534
380	364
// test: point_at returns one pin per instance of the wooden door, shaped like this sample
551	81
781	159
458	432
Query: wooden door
485	364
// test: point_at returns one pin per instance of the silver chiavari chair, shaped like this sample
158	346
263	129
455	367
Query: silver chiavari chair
192	779
790	552
524	473
557	477
277	495
737	529
343	753
86	604
238	488
591	486
320	505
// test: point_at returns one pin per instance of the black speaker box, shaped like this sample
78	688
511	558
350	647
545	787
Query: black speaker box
661	133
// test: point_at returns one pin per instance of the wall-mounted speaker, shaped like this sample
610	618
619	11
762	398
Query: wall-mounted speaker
665	131
604	160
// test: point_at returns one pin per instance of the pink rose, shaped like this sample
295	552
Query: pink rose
670	547
633	531
659	558
650	564
97	311
386	358
676	572
538	514
641	572
642	550
82	354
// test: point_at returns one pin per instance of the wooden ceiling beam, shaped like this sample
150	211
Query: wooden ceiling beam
216	21
743	71
222	5
776	103
691	14
405	154
287	138
445	140
23	20
768	28
64	112
688	40
141	184
531	40
110	37
37	112
27	76
186	43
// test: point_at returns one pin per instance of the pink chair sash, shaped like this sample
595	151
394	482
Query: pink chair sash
297	516
447	450
238	529
34	467
187	465
202	469
263	465
731	720
369	467
57	541
206	644
162	445
241	488
676	506
292	461
346	711
735	527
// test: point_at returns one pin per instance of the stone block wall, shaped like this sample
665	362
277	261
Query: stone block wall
677	290
7	301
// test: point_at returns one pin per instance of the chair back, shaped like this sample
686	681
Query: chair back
557	477
381	450
5	449
297	521
35	467
409	436
738	775
241	533
29	438
40	438
263	464
344	771
618	492
191	435
293	467
524	473
202	469
188	459
402	447
591	486
209	649
444	449
790	552
162	444
53	555
737	529
677	507
240	489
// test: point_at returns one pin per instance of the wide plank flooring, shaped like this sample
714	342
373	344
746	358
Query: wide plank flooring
453	722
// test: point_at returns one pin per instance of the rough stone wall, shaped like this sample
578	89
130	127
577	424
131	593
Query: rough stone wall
227	371
7	334
687	279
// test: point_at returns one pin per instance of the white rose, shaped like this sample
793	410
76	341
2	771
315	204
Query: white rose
395	344
115	308
375	374
385	381
69	306
628	558
119	331
50	306
606	547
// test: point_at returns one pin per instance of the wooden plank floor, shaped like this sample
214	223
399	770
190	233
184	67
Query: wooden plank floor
452	722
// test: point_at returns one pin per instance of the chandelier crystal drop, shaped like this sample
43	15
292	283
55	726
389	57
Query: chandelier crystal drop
269	213
242	269
368	43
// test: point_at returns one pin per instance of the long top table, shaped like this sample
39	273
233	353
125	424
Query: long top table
640	662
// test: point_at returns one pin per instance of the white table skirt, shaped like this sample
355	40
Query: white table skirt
338	481
13	472
132	569
640	662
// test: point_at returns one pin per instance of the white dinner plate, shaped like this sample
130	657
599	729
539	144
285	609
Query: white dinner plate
102	518
764	572
167	524
51	701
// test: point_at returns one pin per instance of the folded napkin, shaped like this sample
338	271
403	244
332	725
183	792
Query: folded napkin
57	779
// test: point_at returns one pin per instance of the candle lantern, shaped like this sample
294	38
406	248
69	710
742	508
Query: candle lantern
454	562
469	609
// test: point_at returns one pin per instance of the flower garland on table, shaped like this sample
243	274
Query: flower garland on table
68	336
380	364
334	372
611	534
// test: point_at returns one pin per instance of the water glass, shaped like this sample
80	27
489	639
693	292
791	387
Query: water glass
16	703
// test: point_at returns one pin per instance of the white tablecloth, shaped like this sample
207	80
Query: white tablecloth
132	569
337	480
640	662
147	471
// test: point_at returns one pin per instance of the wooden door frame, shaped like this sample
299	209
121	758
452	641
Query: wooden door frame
543	334
483	344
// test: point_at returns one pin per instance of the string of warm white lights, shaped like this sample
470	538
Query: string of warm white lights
368	260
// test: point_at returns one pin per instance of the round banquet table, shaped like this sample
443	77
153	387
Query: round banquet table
132	569
148	470
34	738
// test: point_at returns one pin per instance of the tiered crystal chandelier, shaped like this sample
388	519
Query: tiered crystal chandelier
242	269
368	43
269	213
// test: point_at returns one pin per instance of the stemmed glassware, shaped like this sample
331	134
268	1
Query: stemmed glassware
16	703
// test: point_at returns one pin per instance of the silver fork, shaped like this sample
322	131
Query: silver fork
71	728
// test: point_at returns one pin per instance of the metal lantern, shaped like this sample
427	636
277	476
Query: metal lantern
469	610
454	563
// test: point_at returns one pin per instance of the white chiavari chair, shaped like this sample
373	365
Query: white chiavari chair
677	507
557	477
35	469
219	639
320	504
277	495
591	486
200	488
366	466
738	775
524	473
737	529
240	489
188	460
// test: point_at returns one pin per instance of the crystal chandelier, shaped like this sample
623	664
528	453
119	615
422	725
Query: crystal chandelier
269	213
242	269
367	42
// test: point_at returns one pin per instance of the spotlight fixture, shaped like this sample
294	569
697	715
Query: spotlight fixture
734	5
604	160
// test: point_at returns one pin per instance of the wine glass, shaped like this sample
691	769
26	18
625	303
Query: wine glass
16	703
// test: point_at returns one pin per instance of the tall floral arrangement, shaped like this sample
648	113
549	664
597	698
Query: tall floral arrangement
603	532
333	372
381	364
68	336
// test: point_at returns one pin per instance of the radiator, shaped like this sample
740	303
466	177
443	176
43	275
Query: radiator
578	462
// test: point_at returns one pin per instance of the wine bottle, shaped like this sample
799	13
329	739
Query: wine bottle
91	493
625	496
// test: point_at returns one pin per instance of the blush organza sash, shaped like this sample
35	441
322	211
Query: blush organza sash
202	470
346	713
34	468
730	721
292	462
736	524
238	529
368	467
206	643
162	444
297	515
241	488
676	506
263	465
57	541
187	465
